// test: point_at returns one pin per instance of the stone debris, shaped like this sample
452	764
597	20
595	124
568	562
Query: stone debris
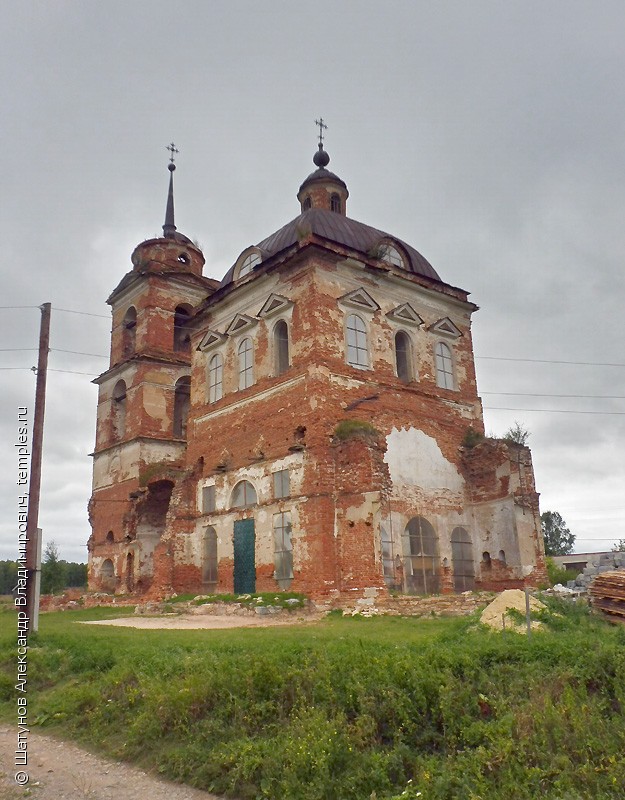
606	562
510	599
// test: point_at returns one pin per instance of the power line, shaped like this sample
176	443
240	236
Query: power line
72	372
577	396
76	352
552	361
84	313
557	411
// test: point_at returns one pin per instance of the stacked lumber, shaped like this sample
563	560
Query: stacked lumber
607	594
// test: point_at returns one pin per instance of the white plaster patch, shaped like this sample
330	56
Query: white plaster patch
415	459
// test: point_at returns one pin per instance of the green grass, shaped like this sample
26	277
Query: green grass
347	709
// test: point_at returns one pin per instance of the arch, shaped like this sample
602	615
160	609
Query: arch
247	261
118	410
388	557
356	340
215	378
107	570
335	203
462	560
130	572
486	560
389	253
307	204
182	340
403	356
209	556
444	367
281	347
129	334
246	363
501	556
243	495
421	557
182	400
110	538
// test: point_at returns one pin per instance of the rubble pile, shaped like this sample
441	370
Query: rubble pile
607	593
607	562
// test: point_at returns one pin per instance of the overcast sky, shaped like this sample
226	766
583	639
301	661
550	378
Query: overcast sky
489	135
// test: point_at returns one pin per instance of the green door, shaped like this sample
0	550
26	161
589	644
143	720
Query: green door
244	566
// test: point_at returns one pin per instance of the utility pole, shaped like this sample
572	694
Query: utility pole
33	547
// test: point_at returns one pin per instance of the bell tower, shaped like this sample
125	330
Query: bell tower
143	403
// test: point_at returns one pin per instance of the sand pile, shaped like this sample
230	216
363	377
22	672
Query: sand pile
510	599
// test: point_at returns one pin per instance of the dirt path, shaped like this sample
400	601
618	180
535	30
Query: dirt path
204	622
62	771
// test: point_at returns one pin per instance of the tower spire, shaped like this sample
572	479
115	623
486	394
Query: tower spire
169	228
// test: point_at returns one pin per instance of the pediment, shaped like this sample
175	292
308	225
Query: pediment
359	298
446	327
240	322
406	314
274	304
211	339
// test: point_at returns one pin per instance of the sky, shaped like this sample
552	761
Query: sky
488	135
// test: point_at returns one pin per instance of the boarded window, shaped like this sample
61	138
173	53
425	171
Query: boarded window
403	356
444	367
108	570
182	399
208	499
281	346
246	364
215	378
243	495
356	335
462	560
119	410
421	560
182	340
283	552
209	555
281	484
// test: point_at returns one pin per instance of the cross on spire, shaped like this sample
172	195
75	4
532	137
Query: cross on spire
322	127
172	152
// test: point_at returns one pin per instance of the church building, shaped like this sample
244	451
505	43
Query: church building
309	423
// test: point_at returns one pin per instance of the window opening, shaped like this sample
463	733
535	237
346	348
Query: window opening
215	378
246	364
110	538
281	484
107	570
119	410
335	203
243	495
281	346
307	204
357	352
391	255
403	356
388	559
208	499
462	560
249	262
182	399
182	340
444	367
283	553
129	335
421	557
209	556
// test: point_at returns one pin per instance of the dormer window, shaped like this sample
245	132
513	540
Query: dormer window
250	260
390	254
335	203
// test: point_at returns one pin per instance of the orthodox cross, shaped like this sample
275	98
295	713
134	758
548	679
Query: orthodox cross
172	150
322	126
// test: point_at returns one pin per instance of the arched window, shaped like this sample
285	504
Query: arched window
281	346
119	410
182	392
403	356
243	495
130	572
283	549
421	557
462	560
307	204
249	262
129	334
182	340
110	538
388	559
246	363
215	378
335	203
356	336
108	570
209	555
444	367
391	255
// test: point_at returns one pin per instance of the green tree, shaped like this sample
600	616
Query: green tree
8	576
558	538
52	570
619	547
517	433
76	574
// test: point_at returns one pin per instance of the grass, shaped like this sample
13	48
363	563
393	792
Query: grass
349	709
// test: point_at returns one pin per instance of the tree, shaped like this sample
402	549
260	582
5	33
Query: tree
517	433
619	547
558	538
52	570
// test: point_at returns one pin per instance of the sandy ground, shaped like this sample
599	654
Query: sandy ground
205	621
62	771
